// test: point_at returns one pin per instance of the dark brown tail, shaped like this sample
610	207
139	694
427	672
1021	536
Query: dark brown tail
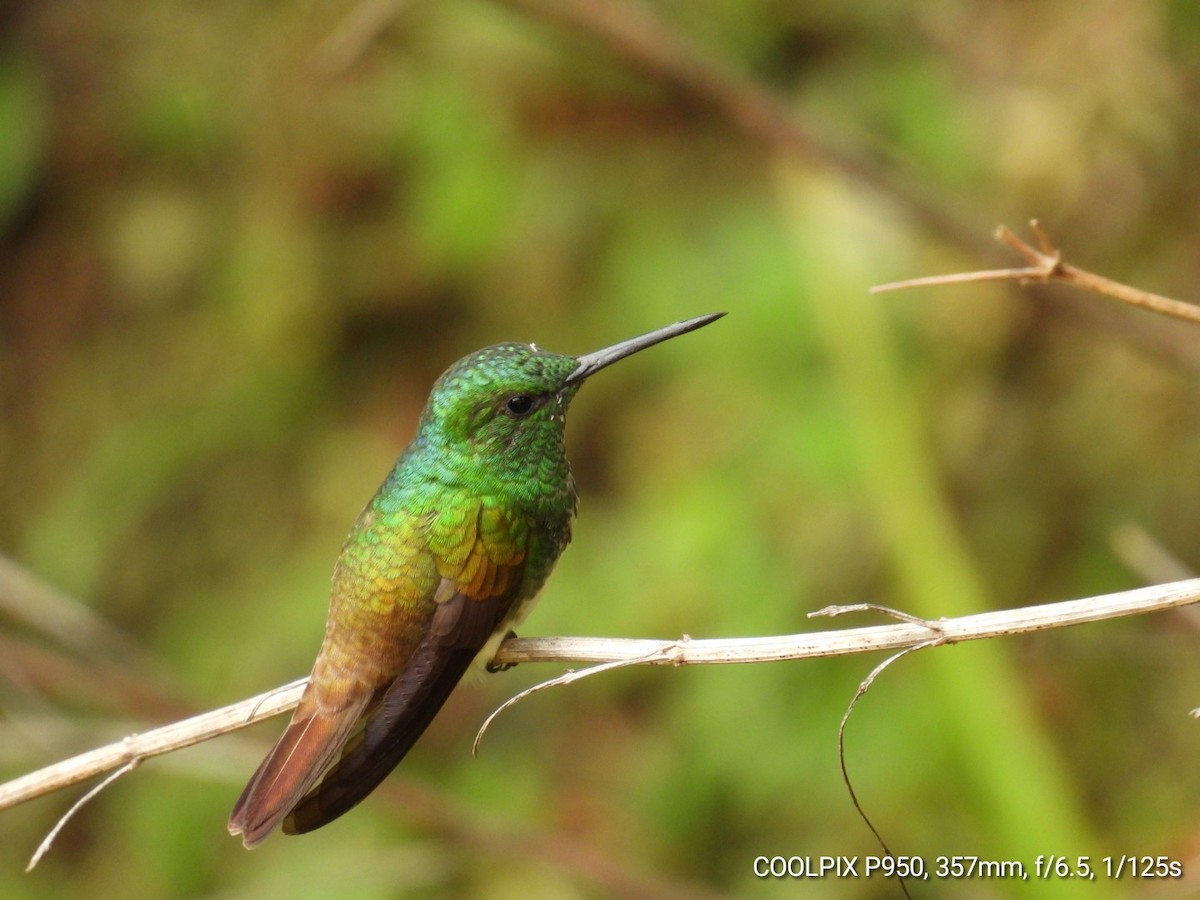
401	713
394	717
401	717
303	752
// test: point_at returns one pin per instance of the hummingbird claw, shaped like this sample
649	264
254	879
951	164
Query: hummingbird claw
493	667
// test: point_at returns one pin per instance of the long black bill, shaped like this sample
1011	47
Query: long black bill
591	363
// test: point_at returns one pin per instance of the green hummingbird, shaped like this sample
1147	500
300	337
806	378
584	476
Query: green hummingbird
442	563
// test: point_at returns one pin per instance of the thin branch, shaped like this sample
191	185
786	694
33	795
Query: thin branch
137	747
360	28
60	638
33	602
684	651
907	284
1046	264
856	640
634	33
1147	558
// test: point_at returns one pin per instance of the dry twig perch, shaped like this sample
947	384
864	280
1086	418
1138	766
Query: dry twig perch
684	651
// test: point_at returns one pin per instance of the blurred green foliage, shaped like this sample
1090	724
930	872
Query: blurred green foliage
239	242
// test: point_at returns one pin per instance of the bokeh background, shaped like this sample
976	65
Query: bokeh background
238	242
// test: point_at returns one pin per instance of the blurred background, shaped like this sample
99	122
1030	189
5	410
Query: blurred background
239	241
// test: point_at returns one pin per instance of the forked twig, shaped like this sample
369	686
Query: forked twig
1046	264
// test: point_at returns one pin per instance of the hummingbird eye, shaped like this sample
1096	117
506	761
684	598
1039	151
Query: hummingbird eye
519	405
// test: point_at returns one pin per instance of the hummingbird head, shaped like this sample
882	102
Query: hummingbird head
495	420
503	408
504	400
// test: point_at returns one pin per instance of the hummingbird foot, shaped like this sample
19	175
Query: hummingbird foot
493	667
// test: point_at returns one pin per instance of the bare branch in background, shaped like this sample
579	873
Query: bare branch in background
1046	264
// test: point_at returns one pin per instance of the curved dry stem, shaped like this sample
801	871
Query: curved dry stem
568	677
48	841
863	687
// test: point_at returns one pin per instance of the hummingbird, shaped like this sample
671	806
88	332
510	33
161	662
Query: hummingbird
440	566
